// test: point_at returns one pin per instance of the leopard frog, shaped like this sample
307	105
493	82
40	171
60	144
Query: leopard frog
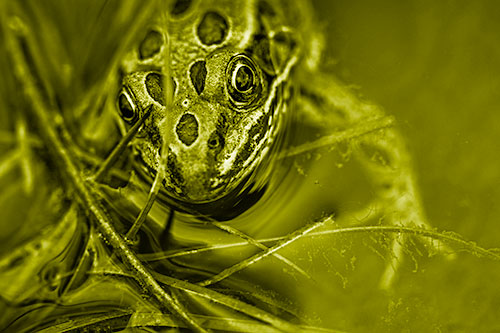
230	67
245	74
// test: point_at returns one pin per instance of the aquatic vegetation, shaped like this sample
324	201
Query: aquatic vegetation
106	231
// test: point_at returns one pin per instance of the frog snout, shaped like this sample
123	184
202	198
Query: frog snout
192	172
187	129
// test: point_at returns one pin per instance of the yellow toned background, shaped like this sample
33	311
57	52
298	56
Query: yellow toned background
435	65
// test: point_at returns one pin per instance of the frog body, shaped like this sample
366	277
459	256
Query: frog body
240	72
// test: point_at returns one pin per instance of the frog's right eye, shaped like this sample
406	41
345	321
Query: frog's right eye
127	107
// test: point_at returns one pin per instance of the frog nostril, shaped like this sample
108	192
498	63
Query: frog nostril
187	129
215	141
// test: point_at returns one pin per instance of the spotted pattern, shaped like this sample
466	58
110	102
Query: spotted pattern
174	175
216	140
213	28
198	73
225	143
180	7
154	86
187	129
150	45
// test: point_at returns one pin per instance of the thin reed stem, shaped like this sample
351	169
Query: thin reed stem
120	147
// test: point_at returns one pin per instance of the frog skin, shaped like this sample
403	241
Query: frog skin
231	64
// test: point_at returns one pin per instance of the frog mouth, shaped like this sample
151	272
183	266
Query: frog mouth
203	187
223	201
192	188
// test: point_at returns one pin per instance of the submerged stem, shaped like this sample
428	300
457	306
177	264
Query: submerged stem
261	246
442	236
9	161
153	193
341	136
84	189
120	147
231	302
25	150
253	259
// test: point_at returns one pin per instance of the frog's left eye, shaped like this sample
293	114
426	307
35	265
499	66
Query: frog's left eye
244	81
127	107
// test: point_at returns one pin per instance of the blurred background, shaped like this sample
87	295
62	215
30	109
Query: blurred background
435	65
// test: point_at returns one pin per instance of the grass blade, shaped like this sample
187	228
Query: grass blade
245	263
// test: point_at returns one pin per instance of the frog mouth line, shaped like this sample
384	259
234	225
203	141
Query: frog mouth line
224	207
174	185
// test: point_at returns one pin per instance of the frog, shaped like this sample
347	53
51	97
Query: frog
229	107
224	81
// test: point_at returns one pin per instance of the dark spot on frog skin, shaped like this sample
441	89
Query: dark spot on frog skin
187	129
267	17
154	86
174	174
283	45
212	28
150	45
198	73
151	133
180	7
217	141
265	8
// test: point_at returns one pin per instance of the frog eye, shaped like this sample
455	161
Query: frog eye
244	81
126	106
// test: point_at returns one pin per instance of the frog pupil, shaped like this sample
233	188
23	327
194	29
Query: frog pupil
125	107
243	79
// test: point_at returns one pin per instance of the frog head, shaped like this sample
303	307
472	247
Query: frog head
217	106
